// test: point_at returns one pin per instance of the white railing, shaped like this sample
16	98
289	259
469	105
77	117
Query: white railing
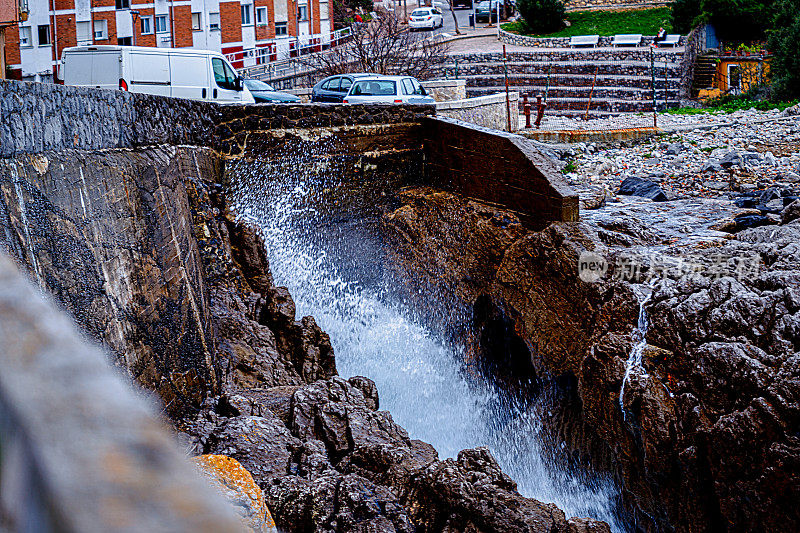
279	57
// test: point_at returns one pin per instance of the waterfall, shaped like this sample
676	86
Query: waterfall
332	267
639	334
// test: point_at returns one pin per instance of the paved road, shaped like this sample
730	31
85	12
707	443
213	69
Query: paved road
462	15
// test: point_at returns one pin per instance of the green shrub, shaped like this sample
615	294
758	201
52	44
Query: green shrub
684	15
542	16
784	42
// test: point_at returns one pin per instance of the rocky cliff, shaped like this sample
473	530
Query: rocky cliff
705	437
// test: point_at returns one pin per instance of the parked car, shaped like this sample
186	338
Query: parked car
388	90
266	93
488	9
425	18
334	88
180	72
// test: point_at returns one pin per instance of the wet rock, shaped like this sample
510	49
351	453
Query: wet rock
752	221
790	212
261	443
237	486
675	149
634	186
730	159
336	503
471	493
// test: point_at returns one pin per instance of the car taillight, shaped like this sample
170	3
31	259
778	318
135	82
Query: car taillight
123	85
345	101
398	101
428	18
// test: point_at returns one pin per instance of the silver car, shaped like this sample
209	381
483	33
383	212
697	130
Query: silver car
388	90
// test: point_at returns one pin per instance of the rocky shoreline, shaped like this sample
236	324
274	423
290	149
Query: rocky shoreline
705	436
326	457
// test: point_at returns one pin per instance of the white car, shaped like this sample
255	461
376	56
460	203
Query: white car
388	90
425	18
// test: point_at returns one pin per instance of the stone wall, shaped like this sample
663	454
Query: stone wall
563	42
445	90
460	157
487	111
39	117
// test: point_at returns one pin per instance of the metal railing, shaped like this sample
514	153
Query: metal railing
282	58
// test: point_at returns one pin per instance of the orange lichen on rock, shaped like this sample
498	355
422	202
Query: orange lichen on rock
238	487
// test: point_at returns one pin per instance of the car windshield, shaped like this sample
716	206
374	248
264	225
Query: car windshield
374	88
258	85
420	13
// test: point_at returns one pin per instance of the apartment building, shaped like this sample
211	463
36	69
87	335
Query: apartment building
250	32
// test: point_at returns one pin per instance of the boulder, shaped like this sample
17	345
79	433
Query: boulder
635	186
790	212
236	484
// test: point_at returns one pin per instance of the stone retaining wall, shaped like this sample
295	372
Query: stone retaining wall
487	111
563	42
38	117
564	55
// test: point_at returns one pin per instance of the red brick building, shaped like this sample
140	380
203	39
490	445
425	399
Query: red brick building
249	31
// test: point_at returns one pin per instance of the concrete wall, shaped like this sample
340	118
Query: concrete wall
487	111
462	157
445	90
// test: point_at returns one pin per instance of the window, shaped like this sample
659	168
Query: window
302	13
44	35
331	85
261	16
83	32
213	21
375	88
409	88
161	24
197	22
25	36
261	56
247	14
125	41
281	28
147	25
100	30
123	4
223	74
346	84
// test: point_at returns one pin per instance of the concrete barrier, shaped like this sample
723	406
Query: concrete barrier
487	111
81	450
498	168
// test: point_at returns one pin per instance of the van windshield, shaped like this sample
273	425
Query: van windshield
374	88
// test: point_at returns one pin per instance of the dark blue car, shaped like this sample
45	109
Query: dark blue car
335	88
265	93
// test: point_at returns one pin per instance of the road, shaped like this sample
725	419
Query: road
462	15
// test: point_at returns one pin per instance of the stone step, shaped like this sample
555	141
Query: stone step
565	69
538	80
572	55
625	93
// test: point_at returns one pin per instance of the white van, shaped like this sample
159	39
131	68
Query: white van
178	72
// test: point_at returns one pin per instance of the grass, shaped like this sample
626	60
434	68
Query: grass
644	21
729	104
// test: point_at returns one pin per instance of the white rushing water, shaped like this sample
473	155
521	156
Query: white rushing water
420	377
634	362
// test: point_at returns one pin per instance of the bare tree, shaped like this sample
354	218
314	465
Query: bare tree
453	12
382	46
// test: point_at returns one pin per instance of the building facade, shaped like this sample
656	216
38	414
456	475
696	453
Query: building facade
250	32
